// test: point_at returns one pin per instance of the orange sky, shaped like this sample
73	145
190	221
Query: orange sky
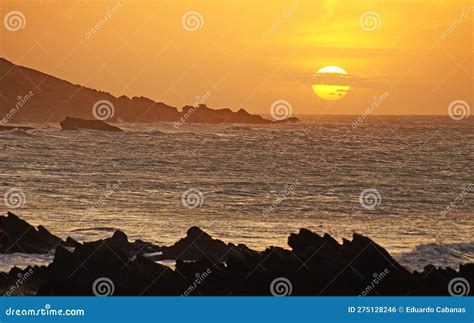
250	54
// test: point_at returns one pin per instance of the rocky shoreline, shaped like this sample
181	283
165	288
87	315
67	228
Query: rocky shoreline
50	99
314	265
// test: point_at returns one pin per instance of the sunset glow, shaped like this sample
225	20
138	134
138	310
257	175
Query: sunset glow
141	48
331	92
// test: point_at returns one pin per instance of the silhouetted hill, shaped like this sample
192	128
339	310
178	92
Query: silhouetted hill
28	95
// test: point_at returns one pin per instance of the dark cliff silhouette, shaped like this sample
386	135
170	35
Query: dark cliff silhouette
45	98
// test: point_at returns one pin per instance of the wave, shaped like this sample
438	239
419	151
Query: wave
19	133
102	229
440	255
22	260
48	134
155	133
241	128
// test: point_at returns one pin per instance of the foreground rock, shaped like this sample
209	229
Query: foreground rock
16	235
76	124
112	266
315	265
198	245
22	282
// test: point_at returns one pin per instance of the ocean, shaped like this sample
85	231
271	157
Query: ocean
406	182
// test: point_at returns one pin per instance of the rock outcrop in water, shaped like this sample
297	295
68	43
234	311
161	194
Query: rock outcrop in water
8	128
203	114
315	265
76	124
49	99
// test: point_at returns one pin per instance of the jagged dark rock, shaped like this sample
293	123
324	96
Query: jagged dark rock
198	244
76	124
314	265
16	235
74	273
22	282
71	243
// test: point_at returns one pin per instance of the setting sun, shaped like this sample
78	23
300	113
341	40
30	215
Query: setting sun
328	91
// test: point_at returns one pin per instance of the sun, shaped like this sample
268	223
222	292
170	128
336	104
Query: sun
326	90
